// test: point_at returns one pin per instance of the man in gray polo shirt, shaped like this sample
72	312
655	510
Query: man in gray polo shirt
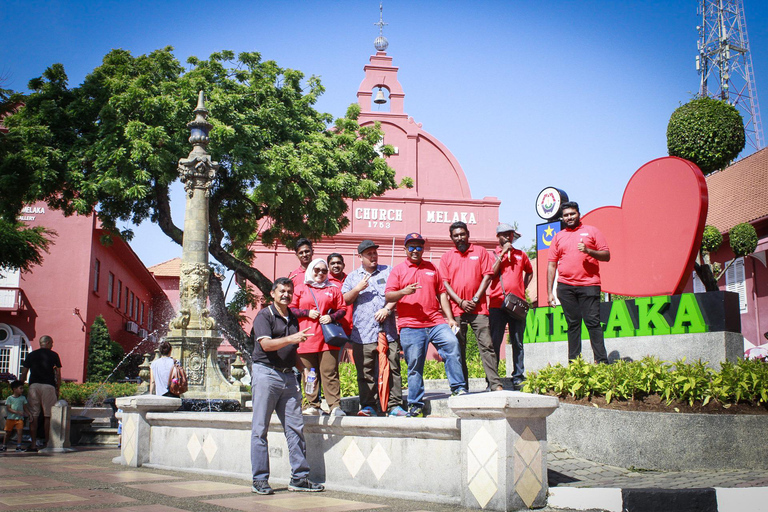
364	290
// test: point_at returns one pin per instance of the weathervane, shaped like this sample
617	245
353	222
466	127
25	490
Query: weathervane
381	42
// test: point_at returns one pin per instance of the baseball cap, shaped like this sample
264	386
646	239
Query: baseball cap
366	244
504	227
413	236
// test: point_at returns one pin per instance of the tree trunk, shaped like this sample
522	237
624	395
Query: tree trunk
228	323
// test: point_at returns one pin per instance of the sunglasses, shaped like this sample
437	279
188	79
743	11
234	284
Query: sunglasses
320	270
415	248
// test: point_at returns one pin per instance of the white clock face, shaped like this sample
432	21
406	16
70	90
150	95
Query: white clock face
548	203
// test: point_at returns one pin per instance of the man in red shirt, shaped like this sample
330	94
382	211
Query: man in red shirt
467	271
418	289
337	276
513	271
305	253
575	253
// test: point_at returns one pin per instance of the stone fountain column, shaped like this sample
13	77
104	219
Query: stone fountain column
193	333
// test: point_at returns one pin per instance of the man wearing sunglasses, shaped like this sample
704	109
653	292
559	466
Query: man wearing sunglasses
418	289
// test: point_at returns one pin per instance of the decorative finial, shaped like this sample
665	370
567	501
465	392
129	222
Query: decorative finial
199	126
381	42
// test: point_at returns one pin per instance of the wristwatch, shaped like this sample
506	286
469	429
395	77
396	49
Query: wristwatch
475	298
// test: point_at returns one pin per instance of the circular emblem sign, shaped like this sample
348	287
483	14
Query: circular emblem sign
548	202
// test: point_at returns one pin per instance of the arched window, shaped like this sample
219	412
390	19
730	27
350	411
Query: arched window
14	347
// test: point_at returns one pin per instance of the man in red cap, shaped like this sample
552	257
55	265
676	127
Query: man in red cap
418	289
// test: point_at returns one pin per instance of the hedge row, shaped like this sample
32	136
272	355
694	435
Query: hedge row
745	381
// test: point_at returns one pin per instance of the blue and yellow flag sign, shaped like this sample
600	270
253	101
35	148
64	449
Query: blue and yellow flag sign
545	233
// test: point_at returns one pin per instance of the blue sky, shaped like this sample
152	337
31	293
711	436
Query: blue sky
526	94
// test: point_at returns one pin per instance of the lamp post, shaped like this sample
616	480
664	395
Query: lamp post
193	333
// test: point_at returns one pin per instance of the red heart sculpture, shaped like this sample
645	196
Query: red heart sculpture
655	234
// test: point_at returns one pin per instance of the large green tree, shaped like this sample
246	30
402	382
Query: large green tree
111	146
20	246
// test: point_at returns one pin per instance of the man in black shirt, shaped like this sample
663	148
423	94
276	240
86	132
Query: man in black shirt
44	366
275	388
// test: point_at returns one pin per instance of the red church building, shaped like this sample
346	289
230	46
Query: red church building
439	197
739	194
79	279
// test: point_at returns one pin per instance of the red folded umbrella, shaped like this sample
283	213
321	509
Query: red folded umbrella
384	384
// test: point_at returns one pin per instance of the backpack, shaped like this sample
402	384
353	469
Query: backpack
177	380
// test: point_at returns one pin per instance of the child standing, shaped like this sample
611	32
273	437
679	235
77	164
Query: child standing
16	408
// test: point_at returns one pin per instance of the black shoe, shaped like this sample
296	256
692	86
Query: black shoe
261	487
304	485
31	449
517	385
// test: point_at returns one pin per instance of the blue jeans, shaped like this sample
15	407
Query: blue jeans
415	343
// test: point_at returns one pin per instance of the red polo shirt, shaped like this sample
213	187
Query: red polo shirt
573	266
512	270
297	276
328	298
346	322
420	309
464	271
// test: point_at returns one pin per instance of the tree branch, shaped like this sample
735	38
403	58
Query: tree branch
228	323
164	218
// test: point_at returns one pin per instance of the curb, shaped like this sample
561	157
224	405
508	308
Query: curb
708	499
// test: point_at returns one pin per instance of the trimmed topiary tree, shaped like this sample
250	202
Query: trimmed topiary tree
743	241
103	354
707	132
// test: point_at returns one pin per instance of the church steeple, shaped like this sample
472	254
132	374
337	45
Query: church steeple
381	43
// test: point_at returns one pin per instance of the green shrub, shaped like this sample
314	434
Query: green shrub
104	354
93	393
88	393
712	239
708	132
745	381
743	239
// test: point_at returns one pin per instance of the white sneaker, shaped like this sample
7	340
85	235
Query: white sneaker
311	411
338	412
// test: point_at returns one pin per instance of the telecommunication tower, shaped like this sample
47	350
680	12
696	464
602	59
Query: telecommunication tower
724	56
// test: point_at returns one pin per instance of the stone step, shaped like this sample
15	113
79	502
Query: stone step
98	436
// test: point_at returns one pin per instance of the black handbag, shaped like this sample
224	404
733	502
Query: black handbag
333	333
514	305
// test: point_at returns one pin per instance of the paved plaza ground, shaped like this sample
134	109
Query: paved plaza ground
87	479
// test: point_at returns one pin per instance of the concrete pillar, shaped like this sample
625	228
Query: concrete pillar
504	449
58	439
135	449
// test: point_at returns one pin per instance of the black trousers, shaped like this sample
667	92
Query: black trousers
582	303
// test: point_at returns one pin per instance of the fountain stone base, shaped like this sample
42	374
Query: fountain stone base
197	350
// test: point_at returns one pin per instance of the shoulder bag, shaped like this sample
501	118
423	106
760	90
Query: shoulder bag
516	307
333	333
177	380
